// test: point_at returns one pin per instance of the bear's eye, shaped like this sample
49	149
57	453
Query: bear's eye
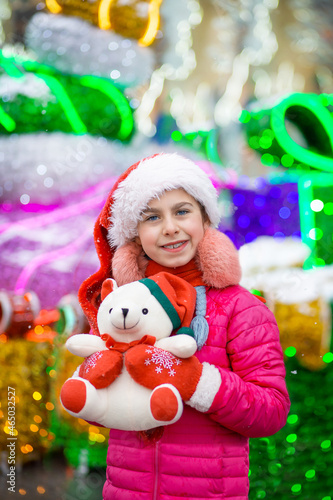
145	311
110	310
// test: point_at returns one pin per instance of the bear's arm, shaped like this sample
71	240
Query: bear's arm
181	345
84	344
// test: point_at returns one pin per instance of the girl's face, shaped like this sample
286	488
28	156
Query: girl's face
171	228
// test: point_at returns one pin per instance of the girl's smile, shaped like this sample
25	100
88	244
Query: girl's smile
171	228
174	247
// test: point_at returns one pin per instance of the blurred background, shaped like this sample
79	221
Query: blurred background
242	87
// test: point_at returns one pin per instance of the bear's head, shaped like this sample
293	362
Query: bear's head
153	306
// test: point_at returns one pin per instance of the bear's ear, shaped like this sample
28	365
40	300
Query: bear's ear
108	286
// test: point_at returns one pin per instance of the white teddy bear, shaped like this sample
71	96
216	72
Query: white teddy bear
135	376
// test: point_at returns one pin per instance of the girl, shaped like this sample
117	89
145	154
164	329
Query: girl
159	216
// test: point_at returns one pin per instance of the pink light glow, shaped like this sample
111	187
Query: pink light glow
48	257
61	213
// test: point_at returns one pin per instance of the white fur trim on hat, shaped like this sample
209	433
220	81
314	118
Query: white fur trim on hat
153	176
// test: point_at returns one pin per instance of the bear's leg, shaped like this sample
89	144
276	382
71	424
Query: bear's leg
80	398
166	404
73	395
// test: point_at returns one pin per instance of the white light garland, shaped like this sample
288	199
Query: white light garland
178	61
260	45
5	14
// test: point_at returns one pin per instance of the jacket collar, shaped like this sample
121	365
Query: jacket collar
217	259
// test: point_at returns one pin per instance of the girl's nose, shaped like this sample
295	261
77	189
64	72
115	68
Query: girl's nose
170	226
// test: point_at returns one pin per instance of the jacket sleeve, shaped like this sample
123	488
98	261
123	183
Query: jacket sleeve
252	397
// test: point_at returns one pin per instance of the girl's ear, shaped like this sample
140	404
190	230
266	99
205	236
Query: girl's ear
206	222
137	240
109	285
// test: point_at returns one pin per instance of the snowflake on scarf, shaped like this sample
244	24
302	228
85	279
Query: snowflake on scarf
91	361
162	359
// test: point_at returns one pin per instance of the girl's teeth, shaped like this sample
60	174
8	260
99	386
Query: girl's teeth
177	245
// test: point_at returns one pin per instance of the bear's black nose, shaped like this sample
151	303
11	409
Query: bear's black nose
125	312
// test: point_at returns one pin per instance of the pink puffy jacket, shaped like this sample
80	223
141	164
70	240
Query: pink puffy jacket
205	455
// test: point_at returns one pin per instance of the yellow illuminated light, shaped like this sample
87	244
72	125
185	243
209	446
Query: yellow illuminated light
100	438
153	23
104	21
41	490
10	430
37	395
53	6
93	429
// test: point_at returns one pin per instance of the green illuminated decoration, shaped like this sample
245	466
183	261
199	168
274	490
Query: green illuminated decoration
71	104
297	461
123	108
203	141
316	215
296	132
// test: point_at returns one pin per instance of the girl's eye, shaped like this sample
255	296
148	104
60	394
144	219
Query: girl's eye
182	212
152	218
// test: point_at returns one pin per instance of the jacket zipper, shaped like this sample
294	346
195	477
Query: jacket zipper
156	471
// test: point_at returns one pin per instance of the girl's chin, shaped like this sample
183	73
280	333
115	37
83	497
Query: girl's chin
174	260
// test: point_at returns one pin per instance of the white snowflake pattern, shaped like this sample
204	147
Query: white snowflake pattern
162	359
91	361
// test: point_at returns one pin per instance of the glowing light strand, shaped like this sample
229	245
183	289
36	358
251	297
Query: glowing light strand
153	23
48	257
228	107
168	72
104	20
57	215
44	72
53	6
310	108
117	98
64	100
314	105
7	121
